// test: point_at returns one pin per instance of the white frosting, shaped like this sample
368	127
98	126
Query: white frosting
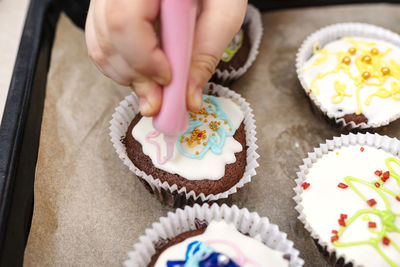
250	247
379	109
211	166
323	202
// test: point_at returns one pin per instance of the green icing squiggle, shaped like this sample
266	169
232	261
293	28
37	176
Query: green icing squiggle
387	216
233	47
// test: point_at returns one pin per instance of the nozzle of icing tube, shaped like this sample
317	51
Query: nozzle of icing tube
177	19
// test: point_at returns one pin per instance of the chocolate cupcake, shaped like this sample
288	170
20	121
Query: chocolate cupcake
242	50
212	159
213	236
350	72
348	197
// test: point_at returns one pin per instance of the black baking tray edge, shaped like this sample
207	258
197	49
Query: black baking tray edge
21	122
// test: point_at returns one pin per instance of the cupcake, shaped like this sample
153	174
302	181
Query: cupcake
213	236
242	50
212	159
351	73
348	197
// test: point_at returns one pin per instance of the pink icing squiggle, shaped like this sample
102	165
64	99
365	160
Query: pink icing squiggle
239	258
154	134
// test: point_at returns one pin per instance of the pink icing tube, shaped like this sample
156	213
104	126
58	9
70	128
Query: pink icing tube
177	28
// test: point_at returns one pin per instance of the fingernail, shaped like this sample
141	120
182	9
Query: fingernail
145	107
159	80
198	97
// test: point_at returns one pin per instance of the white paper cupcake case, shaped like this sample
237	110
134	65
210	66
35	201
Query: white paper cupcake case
332	33
171	194
255	31
184	220
388	144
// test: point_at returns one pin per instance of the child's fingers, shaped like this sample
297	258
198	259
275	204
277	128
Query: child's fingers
217	24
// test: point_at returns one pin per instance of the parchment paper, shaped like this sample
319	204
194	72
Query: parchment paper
90	209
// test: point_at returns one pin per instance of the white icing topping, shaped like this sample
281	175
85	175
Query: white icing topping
251	247
211	166
379	109
323	202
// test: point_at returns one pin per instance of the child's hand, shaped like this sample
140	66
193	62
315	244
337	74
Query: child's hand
122	43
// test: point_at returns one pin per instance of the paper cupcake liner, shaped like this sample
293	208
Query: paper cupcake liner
255	31
388	144
170	194
185	220
332	33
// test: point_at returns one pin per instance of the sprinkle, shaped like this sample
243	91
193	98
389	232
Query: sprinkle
371	202
230	129
225	122
386	241
305	185
341	222
343	216
205	143
209	106
398	198
377	185
386	175
335	232
205	120
352	50
366	75
334	238
371	224
362	149
374	51
213	134
201	119
337	153
235	100
378	173
342	185
197	152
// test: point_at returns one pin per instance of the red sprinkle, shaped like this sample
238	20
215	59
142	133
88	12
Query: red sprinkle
334	238
342	185
335	232
371	224
343	216
384	179
378	173
386	175
362	149
377	184
371	202
305	185
386	241
398	198
342	222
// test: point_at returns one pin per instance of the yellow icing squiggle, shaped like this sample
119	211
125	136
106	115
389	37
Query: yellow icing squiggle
340	92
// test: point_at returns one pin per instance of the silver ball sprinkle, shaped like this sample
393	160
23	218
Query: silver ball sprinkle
223	259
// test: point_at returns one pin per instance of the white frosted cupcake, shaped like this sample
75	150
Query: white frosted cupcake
351	72
348	197
212	159
213	236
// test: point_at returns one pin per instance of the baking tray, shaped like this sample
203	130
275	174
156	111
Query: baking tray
21	122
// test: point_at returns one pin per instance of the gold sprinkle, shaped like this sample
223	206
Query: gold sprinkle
367	59
230	129
366	75
385	70
225	122
204	144
374	51
201	119
352	50
197	152
213	134
205	120
346	60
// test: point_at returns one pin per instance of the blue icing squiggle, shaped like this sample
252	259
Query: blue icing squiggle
212	142
199	254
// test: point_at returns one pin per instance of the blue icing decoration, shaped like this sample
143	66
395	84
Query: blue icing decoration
199	254
212	142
